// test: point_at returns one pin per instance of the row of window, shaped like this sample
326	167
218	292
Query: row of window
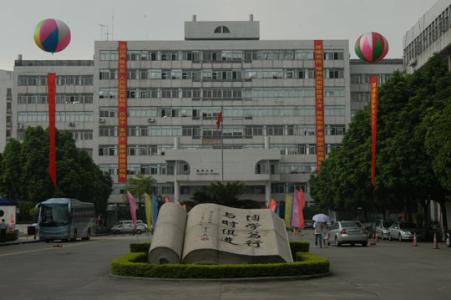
84	116
221	93
60	98
365	78
82	135
219	55
66	80
228	131
210	113
429	35
221	75
285	149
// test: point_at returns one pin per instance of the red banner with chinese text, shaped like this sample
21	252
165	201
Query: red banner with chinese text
51	94
374	104
122	112
319	103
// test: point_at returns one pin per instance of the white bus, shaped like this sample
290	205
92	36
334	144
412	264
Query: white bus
65	219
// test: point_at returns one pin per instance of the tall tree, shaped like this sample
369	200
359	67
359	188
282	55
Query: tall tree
140	185
10	171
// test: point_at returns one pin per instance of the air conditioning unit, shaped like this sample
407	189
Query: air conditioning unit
101	120
71	124
151	120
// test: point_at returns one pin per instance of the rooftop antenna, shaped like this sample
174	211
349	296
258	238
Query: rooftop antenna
102	29
112	24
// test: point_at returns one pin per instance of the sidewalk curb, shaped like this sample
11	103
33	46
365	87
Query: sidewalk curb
12	243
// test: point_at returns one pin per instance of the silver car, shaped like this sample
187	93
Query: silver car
402	231
347	232
382	229
126	226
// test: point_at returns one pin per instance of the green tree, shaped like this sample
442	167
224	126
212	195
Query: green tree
140	185
24	175
10	172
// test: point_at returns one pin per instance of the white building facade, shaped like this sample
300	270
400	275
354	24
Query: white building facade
175	91
430	35
5	107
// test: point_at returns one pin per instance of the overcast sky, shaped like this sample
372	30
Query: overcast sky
163	20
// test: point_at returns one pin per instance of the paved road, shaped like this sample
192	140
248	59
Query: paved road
80	270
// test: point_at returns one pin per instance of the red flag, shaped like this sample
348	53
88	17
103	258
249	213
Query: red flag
374	104
51	92
273	205
219	120
132	203
302	205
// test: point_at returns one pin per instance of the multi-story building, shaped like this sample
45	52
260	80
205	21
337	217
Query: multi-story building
75	109
360	79
5	107
265	90
430	35
176	89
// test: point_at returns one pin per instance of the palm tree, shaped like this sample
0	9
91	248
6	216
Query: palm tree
221	193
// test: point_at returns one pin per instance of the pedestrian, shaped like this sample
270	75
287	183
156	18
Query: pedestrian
318	233
3	228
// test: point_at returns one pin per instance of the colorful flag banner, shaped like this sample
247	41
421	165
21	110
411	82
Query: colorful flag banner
374	105
132	203
296	210
154	210
51	95
319	103
302	206
148	208
288	205
219	120
273	205
122	112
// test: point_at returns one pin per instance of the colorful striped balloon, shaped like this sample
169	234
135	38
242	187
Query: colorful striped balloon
371	47
52	35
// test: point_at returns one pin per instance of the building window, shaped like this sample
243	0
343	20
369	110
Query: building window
222	29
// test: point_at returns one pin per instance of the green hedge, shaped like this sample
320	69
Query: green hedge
12	236
295	247
135	264
139	247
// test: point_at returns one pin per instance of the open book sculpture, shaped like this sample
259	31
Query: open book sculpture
216	234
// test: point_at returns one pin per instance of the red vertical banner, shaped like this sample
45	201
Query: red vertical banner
51	94
122	112
374	105
319	103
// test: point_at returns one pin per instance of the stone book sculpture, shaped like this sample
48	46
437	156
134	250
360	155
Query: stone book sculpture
216	234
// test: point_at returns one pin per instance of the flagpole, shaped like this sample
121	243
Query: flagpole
222	144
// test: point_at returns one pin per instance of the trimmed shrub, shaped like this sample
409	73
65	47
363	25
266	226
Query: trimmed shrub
295	247
134	264
299	246
12	235
139	247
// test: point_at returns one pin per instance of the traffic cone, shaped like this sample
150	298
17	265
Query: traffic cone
414	241
434	242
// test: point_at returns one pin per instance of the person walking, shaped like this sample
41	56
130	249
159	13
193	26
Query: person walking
318	233
3	228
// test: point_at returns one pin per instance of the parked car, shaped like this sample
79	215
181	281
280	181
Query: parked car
382	229
402	231
348	232
308	225
126	226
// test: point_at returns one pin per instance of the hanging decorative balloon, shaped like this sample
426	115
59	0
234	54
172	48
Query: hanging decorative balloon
52	35
371	47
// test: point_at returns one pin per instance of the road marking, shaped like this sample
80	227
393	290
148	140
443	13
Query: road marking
42	249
